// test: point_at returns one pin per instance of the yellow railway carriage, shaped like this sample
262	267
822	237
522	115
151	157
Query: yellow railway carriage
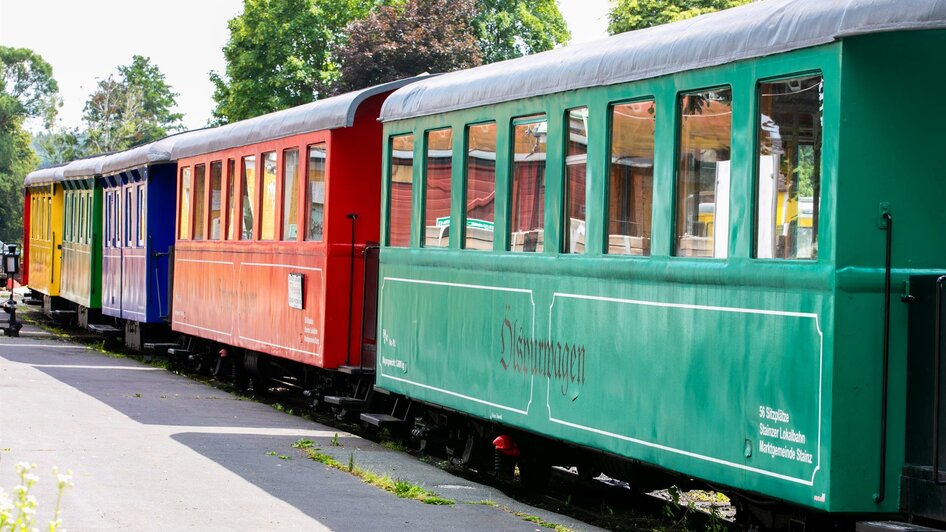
45	232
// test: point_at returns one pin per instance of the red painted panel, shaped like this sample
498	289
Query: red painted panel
24	247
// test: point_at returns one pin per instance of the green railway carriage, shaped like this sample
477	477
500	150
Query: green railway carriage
81	278
670	245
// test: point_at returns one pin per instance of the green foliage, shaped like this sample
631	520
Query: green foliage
27	87
628	15
27	90
400	41
506	29
17	159
132	109
279	55
60	145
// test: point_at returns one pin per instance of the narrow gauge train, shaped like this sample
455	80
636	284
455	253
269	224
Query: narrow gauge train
668	252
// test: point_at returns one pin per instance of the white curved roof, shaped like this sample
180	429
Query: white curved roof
44	176
753	30
330	113
89	167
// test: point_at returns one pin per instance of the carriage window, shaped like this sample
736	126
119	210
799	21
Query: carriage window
108	218
576	171
480	186
69	218
231	200
268	189
631	178
400	201
249	196
702	208
128	217
290	194
315	192
216	197
200	186
184	216
88	217
789	171
437	188
527	223
141	214
77	233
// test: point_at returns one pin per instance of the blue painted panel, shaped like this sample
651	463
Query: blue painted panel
160	217
135	263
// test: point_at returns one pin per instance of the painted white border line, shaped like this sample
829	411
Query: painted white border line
441	390
808	315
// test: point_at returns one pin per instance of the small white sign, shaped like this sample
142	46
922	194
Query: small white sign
295	290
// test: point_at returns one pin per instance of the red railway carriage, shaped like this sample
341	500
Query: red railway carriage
274	215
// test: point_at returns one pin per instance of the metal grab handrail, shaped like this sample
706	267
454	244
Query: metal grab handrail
937	376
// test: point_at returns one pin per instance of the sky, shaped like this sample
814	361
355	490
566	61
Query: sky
185	48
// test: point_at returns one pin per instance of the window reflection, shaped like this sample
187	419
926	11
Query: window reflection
231	199
631	178
480	186
527	223
402	185
290	194
789	172
437	188
315	190
576	171
184	216
249	196
702	220
199	187
216	197
268	205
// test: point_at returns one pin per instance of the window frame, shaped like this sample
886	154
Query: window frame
514	121
466	180
564	233
731	85
389	182
305	197
754	181
424	180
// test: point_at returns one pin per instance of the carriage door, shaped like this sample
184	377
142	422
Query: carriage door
369	319
923	483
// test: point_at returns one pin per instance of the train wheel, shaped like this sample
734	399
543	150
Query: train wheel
535	471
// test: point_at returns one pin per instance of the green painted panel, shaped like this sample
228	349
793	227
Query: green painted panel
546	353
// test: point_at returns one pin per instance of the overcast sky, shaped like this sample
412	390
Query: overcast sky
85	40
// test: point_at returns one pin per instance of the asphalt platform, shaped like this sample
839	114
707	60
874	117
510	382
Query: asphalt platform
152	450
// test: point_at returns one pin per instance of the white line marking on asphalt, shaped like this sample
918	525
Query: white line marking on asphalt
47	346
76	366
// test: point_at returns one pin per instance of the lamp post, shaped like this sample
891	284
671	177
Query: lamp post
11	267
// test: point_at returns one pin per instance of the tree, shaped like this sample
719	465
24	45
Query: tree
27	90
133	109
28	87
628	15
279	55
60	145
512	28
401	41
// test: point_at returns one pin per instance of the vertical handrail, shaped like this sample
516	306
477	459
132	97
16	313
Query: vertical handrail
881	491
351	287
937	376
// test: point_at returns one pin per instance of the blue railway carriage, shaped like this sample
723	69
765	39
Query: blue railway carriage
675	248
138	228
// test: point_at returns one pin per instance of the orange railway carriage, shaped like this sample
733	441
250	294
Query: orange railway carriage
274	215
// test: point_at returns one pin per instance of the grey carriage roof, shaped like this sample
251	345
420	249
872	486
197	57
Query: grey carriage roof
44	176
753	30
88	167
330	113
158	151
